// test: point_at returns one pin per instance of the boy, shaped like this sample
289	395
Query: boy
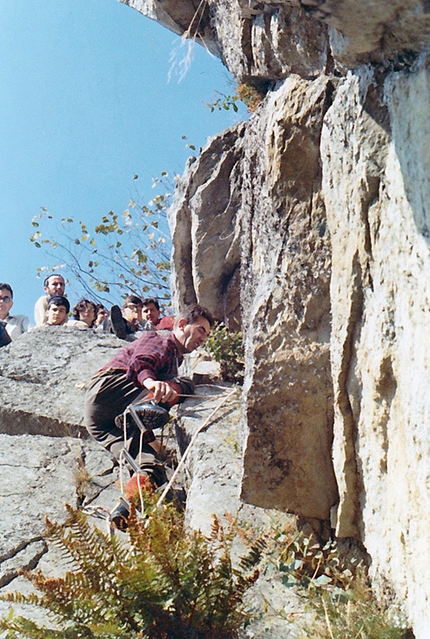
58	311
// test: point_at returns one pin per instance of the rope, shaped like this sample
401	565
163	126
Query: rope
104	514
193	439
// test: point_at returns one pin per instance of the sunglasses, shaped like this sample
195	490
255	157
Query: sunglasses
6	298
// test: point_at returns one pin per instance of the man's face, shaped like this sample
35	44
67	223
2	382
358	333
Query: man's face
6	302
132	313
191	336
56	315
56	286
150	313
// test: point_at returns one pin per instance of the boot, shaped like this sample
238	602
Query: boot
117	322
147	416
120	514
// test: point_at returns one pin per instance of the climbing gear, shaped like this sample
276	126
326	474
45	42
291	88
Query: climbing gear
118	517
147	416
136	485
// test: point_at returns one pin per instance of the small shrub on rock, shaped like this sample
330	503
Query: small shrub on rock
226	348
162	581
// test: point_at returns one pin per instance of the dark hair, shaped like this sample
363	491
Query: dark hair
81	306
7	287
151	300
59	300
48	277
191	313
132	299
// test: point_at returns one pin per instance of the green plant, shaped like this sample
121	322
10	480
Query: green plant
249	94
166	582
226	347
224	101
121	253
306	564
337	590
354	613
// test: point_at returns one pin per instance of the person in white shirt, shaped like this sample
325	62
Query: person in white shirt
15	325
53	285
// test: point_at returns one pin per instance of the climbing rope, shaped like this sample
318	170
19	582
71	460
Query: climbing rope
193	439
102	513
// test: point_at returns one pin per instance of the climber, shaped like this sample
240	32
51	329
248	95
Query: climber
145	371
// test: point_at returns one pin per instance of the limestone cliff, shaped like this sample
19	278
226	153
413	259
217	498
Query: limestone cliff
312	220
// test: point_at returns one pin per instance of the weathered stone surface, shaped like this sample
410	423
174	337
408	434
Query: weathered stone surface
373	29
204	231
212	477
376	162
333	175
214	458
39	475
255	40
270	40
42	378
286	308
272	221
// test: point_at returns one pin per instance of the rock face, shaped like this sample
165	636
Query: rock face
42	467
277	231
37	396
324	196
46	460
270	40
380	294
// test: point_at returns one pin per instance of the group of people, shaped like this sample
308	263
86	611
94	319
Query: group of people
53	309
131	395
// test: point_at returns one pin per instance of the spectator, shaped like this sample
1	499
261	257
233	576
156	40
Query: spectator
126	322
84	314
102	316
58	311
53	285
15	325
4	336
151	316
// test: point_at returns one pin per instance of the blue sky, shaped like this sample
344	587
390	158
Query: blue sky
85	104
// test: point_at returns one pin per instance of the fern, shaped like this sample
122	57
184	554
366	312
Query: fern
165	582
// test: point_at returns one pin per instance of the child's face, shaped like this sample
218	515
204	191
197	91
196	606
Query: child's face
56	315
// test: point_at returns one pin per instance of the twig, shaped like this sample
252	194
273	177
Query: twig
327	619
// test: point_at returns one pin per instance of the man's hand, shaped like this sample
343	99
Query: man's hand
161	390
